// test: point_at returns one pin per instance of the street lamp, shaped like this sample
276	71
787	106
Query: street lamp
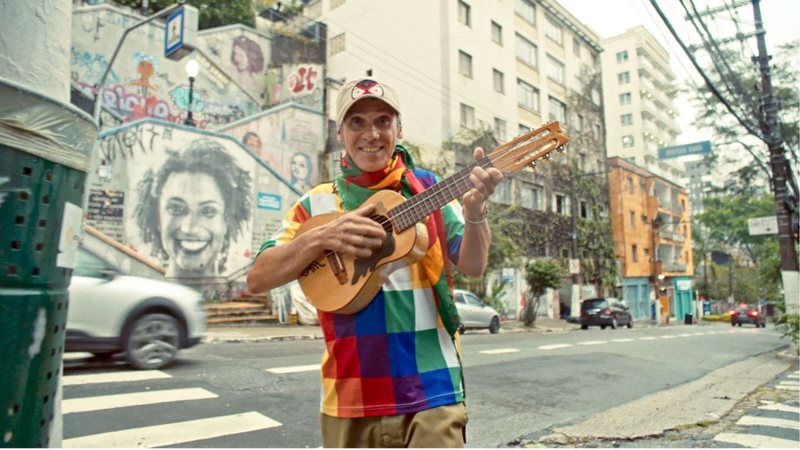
192	68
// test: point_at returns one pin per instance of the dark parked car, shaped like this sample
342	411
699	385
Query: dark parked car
605	312
748	315
475	313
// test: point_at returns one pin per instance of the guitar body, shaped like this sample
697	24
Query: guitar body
345	284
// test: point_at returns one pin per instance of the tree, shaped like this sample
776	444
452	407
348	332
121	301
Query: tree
540	275
211	13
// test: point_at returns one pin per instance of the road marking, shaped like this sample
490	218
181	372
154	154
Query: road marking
553	347
622	340
684	335
114	377
98	403
592	342
781	407
767	422
295	369
755	440
647	338
499	350
793	375
176	433
697	334
669	336
792	387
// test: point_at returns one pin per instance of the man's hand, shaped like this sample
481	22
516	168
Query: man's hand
354	233
484	183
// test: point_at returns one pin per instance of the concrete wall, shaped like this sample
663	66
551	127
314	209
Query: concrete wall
198	203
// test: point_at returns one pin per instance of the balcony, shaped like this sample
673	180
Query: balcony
674	266
671	236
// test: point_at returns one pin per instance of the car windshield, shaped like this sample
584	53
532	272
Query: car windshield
592	303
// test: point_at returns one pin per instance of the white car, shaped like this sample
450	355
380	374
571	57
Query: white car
149	320
474	312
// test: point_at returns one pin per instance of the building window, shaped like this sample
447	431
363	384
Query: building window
625	98
624	77
629	185
579	125
644	219
503	192
626	119
635	253
622	56
554	31
497	33
464	13
465	64
555	69
467	116
627	141
530	197
584	209
632	218
527	96
498	80
337	44
500	129
576	47
561	205
527	10
526	51
557	110
596	131
522	129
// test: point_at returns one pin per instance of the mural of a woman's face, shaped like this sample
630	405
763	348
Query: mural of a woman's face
253	142
192	218
299	168
240	60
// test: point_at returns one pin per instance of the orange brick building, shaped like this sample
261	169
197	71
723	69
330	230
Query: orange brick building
651	222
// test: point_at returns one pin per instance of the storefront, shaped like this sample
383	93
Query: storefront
636	294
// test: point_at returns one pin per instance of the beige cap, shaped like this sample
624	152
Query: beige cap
362	88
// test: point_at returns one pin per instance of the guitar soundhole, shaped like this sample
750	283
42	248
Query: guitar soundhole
363	267
383	221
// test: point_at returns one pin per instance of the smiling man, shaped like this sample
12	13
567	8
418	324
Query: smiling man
391	374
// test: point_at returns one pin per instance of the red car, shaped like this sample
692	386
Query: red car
748	315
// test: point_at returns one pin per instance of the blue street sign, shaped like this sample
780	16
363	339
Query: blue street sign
268	201
173	34
696	148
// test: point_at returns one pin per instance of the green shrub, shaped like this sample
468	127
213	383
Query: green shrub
789	325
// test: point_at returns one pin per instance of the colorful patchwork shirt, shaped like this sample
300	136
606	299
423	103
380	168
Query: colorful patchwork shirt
395	355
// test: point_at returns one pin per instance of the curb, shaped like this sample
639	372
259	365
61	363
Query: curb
237	339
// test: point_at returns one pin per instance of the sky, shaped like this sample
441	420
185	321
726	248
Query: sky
781	19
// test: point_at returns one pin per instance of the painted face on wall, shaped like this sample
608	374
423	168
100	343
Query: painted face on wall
240	58
299	167
253	142
370	131
192	218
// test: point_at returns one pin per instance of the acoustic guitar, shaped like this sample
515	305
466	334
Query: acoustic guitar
346	284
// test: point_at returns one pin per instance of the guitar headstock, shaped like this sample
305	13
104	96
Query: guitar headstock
526	149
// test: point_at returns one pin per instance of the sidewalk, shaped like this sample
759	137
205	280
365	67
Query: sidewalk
281	332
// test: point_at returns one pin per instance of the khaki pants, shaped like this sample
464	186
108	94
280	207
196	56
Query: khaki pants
441	427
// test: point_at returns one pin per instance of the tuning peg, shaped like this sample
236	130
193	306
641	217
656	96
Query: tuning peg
561	149
532	165
547	156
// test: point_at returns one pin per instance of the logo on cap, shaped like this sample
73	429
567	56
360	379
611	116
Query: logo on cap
366	87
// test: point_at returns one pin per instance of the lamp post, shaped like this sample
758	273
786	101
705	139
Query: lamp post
192	68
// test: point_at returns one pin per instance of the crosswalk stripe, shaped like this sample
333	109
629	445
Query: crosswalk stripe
684	335
84	404
114	377
768	422
499	350
647	338
175	433
755	440
781	407
669	336
591	342
294	369
622	340
793	375
553	347
788	388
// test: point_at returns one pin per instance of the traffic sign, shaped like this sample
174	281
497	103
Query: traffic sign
695	148
173	32
763	225
574	266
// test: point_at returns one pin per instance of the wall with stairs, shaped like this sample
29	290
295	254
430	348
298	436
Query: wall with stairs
247	309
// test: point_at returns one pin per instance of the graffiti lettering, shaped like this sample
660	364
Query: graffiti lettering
134	106
303	81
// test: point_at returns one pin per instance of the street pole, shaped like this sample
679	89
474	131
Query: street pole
575	301
790	269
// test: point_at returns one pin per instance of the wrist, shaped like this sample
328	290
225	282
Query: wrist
476	218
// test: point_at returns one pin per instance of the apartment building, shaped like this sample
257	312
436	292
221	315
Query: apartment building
651	222
638	100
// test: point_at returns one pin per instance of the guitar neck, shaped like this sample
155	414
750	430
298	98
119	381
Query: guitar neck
420	206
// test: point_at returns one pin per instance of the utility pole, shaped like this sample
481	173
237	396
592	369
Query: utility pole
768	121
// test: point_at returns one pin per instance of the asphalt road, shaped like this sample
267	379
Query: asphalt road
267	394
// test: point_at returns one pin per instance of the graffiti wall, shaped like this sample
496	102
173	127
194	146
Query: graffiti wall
141	82
288	137
197	203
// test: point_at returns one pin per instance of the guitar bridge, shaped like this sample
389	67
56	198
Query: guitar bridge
337	266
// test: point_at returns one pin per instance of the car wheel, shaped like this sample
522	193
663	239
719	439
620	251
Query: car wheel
602	327
740	324
733	324
614	323
630	322
152	341
494	325
584	327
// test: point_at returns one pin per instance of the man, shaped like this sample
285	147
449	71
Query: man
391	374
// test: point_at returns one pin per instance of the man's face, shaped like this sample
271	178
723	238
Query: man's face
369	132
192	217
